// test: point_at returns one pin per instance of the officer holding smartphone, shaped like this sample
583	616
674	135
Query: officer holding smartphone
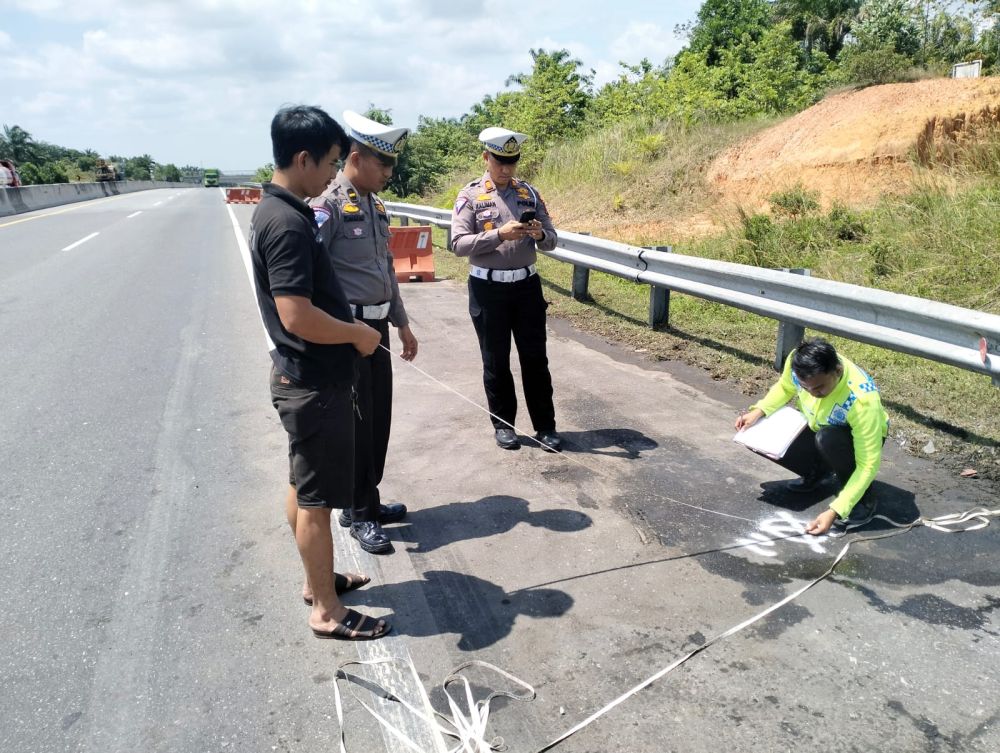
498	222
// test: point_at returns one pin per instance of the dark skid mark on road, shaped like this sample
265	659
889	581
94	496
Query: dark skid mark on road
921	558
934	610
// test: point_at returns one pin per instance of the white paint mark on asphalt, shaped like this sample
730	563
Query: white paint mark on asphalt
783	527
71	246
133	215
157	203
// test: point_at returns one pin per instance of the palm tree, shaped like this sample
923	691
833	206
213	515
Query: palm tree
823	24
19	144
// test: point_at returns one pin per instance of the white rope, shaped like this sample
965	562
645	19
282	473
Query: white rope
944	523
469	725
542	444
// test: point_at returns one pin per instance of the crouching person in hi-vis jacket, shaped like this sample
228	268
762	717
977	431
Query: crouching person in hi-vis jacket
846	429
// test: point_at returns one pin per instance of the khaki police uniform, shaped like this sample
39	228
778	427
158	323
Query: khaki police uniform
505	295
355	231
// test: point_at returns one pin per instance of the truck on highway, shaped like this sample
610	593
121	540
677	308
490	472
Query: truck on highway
8	174
210	177
106	171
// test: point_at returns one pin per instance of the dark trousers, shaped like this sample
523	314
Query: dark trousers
829	449
372	420
499	310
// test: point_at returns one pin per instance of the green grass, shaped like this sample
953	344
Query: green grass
633	169
637	170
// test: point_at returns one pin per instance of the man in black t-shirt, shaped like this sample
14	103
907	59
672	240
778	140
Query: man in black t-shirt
316	340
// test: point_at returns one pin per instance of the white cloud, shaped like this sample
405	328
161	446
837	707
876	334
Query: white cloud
645	40
194	81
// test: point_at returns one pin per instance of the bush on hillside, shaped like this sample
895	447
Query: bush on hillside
879	66
795	202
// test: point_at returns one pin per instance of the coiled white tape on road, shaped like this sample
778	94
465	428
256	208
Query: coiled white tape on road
472	723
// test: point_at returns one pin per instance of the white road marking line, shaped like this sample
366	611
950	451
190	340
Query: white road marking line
133	215
157	203
248	264
71	246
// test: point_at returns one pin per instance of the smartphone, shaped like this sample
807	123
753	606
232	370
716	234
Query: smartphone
527	215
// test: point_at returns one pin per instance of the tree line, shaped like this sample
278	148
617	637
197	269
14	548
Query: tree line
39	162
743	59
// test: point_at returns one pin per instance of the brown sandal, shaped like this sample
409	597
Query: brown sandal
342	584
356	627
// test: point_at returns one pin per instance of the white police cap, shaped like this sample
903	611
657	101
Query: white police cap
501	141
384	139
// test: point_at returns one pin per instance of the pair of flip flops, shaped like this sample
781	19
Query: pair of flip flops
342	584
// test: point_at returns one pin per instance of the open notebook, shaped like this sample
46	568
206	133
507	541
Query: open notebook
773	435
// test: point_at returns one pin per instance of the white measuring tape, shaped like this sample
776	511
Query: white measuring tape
469	726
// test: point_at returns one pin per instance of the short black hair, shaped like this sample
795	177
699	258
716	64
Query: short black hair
304	128
361	148
814	357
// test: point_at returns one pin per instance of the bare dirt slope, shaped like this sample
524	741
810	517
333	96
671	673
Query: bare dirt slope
854	146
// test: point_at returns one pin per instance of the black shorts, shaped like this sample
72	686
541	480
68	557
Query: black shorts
320	426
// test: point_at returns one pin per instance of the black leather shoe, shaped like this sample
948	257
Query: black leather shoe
371	537
391	513
386	514
551	442
507	438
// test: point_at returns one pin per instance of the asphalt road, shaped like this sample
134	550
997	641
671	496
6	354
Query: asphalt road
150	598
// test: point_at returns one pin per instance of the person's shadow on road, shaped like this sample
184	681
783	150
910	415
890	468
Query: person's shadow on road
478	611
627	444
434	527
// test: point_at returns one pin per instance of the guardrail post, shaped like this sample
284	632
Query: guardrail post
789	335
659	299
447	237
581	281
990	349
404	221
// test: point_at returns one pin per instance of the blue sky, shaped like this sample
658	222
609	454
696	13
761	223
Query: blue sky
197	81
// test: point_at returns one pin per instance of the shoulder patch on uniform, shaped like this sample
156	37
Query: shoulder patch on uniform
322	215
460	203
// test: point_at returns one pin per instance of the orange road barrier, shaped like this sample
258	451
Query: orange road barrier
412	253
243	195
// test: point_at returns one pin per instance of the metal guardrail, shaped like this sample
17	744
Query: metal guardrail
937	331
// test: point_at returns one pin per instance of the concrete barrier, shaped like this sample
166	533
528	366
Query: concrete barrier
30	198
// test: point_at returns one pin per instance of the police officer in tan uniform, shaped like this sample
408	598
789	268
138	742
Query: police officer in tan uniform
498	222
354	228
